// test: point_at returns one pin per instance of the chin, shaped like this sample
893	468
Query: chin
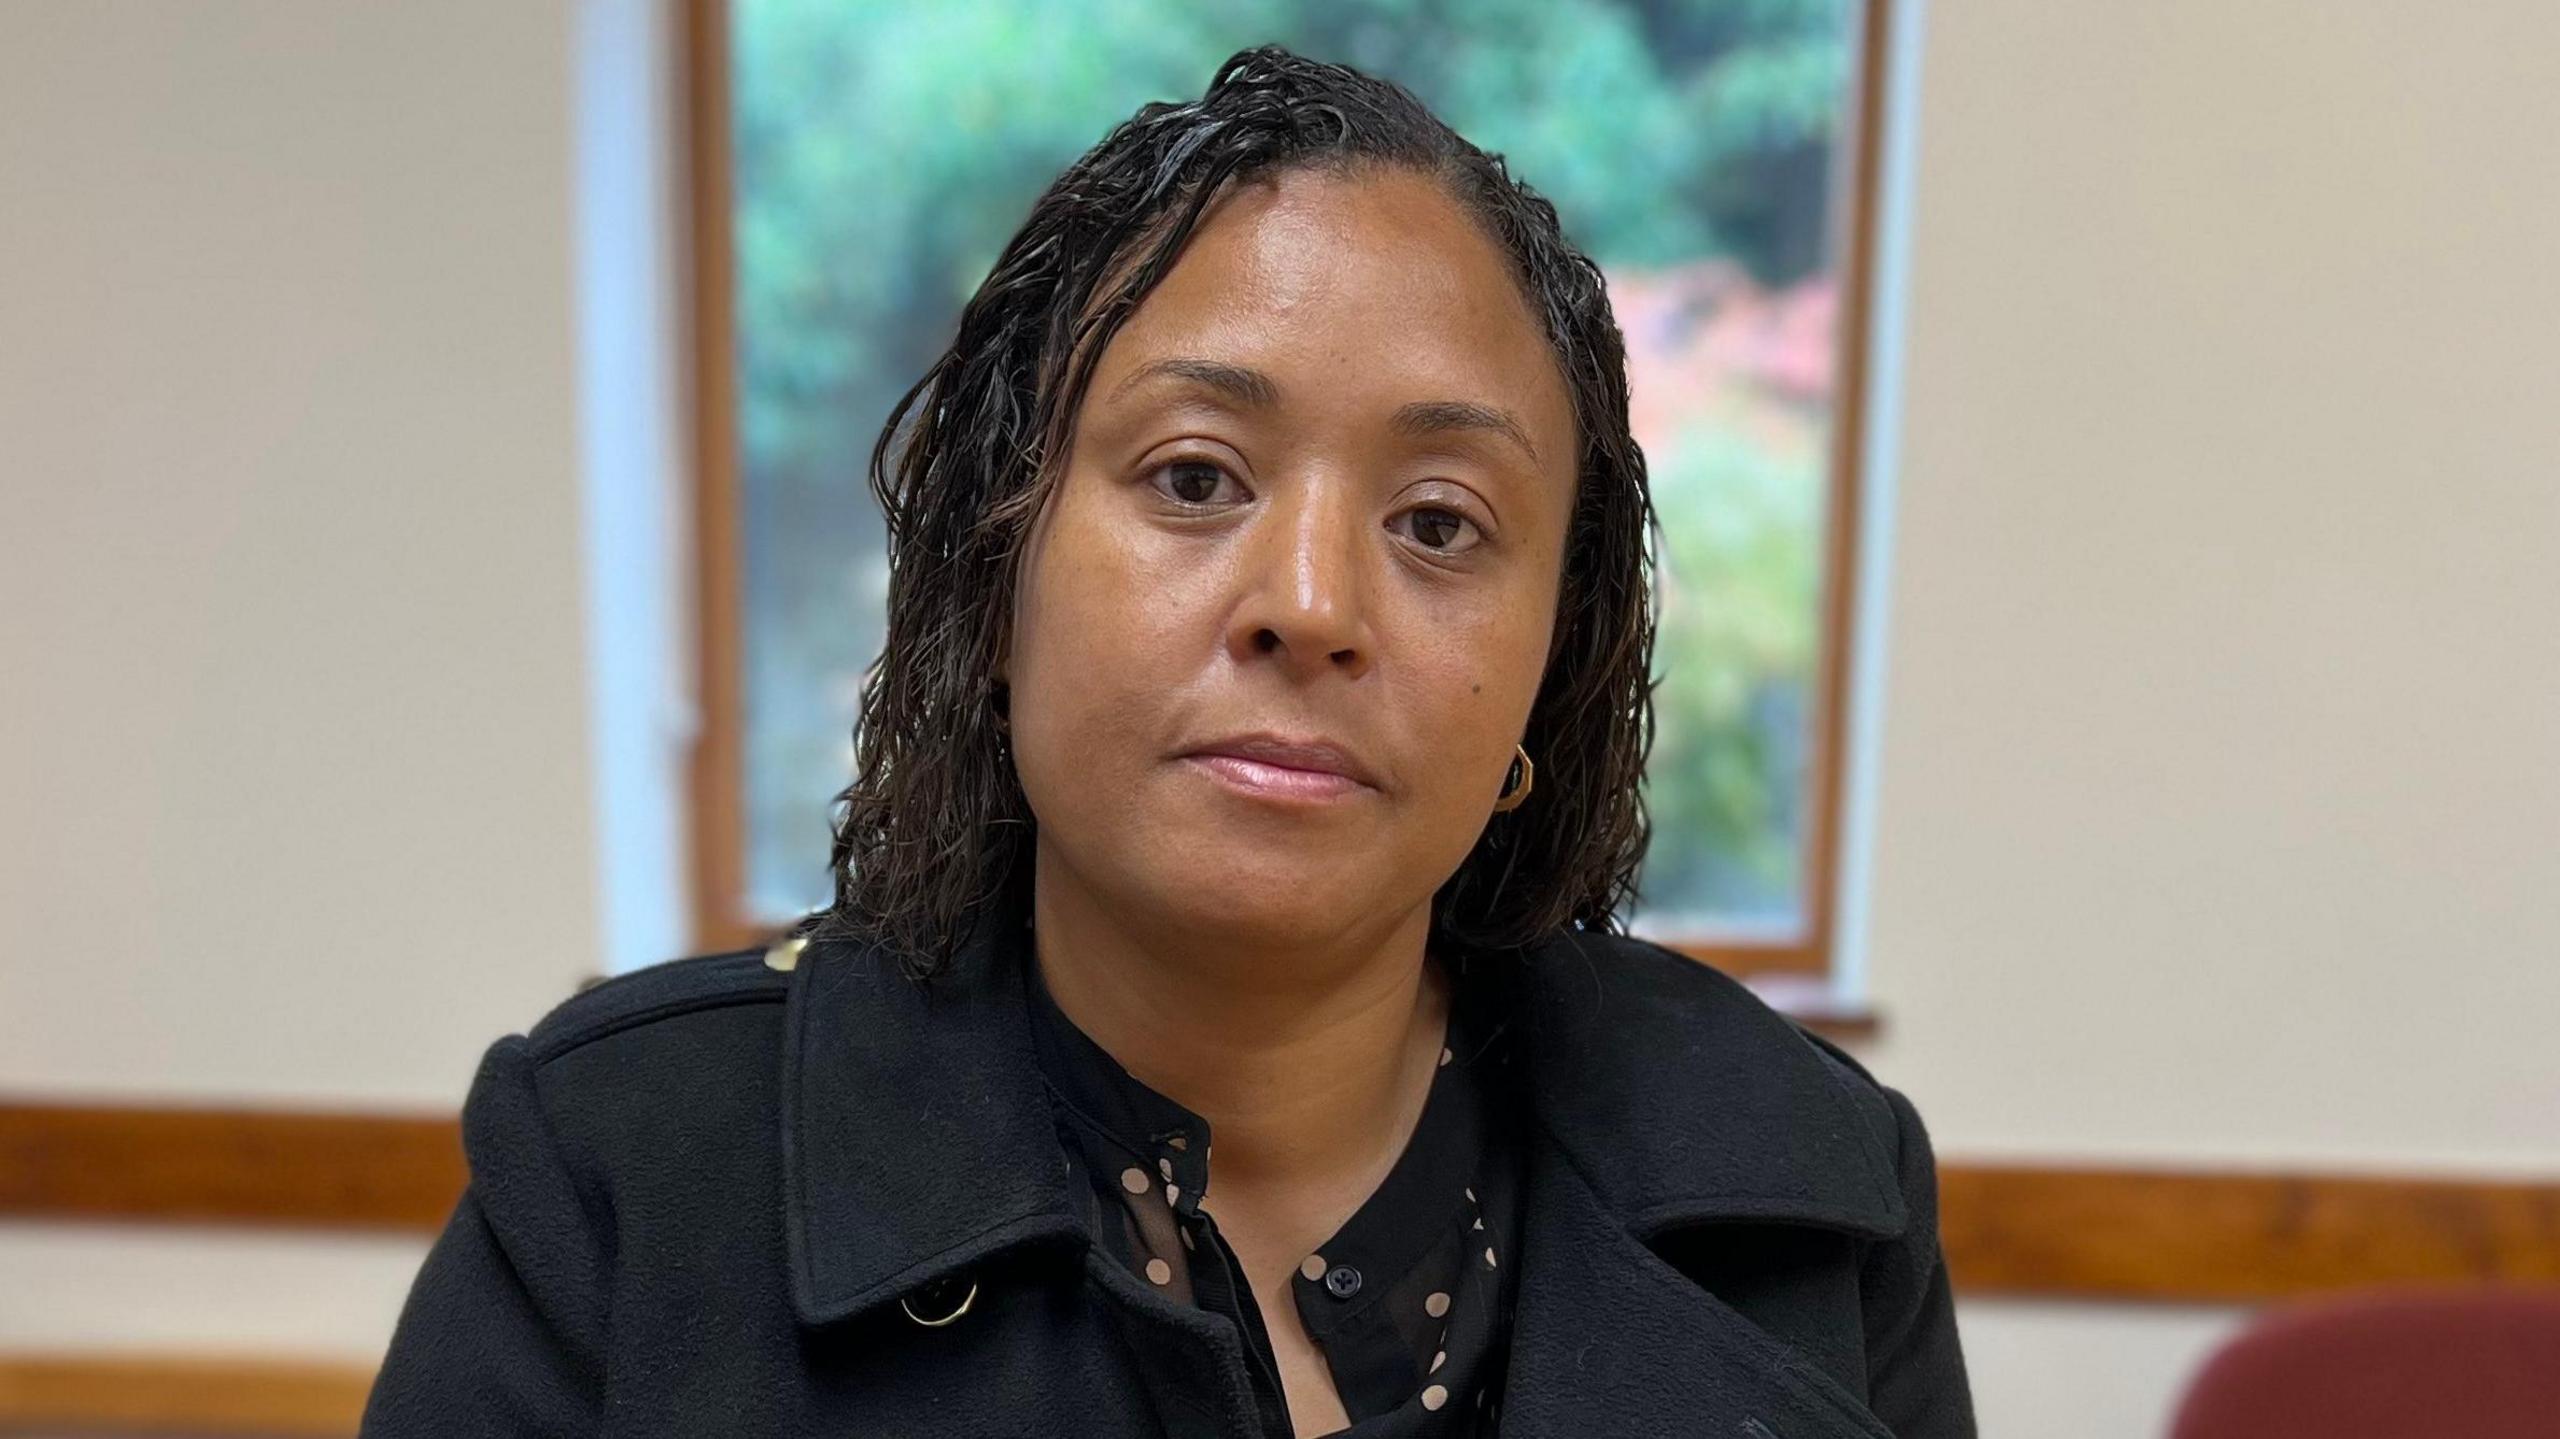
1252	896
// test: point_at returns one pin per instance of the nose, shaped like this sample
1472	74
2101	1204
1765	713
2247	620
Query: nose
1306	583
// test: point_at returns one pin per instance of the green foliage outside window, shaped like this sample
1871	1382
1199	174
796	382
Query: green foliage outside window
884	152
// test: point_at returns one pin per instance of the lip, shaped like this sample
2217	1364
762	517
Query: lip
1284	767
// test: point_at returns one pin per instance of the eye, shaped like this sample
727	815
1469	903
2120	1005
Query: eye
1438	528
1190	482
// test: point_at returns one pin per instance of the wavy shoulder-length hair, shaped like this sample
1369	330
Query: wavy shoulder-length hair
935	821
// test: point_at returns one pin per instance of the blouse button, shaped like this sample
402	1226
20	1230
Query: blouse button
1342	1282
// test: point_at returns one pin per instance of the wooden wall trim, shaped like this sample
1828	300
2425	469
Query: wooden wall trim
2024	1230
229	1166
2205	1237
198	1396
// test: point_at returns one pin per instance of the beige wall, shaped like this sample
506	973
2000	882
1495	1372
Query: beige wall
296	806
2217	763
2219	814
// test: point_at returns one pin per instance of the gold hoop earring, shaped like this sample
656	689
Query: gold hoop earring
1528	773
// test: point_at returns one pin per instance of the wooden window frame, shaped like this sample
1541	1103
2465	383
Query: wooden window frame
1795	971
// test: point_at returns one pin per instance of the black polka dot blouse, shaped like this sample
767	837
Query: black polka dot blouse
1409	1301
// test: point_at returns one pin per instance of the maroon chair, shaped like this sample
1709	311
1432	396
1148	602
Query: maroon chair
2473	1362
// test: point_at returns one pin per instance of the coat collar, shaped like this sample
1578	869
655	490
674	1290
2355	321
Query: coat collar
1669	1095
917	1139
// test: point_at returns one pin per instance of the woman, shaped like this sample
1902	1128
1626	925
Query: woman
1250	771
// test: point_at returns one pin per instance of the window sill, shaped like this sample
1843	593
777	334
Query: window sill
1812	1001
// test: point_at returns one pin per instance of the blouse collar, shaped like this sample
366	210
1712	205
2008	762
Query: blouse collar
1419	1198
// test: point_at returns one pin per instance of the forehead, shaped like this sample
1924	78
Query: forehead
1356	294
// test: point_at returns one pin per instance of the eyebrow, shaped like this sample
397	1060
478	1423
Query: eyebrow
1254	390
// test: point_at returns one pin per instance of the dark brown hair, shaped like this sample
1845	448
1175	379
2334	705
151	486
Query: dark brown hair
935	820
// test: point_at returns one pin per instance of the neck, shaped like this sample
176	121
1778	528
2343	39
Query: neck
1310	1059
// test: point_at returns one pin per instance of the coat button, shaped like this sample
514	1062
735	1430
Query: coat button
938	1303
1342	1281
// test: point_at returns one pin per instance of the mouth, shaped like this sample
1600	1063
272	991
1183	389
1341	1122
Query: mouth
1277	767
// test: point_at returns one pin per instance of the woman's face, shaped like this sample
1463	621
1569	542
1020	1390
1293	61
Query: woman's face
1318	491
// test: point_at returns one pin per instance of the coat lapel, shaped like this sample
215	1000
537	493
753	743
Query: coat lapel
1610	1339
1667	1095
916	1137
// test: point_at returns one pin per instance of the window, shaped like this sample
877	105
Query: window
860	166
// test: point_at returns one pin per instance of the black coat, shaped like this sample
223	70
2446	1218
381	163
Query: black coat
700	1192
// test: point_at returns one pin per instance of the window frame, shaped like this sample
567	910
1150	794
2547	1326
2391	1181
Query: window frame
1796	971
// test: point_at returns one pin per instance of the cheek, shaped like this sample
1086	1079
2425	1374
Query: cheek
1094	630
1477	698
1470	694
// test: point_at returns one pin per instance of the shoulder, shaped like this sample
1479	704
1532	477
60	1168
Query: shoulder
684	1046
1682	1056
657	1003
1703	996
1889	1109
639	1111
1680	1005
